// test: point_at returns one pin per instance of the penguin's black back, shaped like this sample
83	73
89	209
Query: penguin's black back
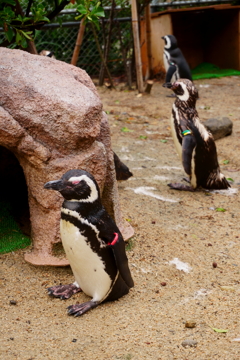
178	58
206	164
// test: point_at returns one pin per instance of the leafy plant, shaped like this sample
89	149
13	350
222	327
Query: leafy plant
20	27
17	27
91	11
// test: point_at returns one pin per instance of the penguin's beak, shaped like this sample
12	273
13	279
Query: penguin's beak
54	185
174	86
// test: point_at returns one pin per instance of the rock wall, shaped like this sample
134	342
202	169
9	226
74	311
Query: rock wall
51	118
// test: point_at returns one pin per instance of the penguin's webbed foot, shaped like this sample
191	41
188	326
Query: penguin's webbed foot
167	85
63	291
80	309
177	186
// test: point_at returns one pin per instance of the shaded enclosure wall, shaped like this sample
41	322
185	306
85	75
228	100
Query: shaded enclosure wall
204	34
208	36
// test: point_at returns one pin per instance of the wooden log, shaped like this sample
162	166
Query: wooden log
149	86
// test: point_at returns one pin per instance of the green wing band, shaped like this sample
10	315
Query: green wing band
186	132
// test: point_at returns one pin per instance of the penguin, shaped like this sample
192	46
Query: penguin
175	63
194	143
47	53
92	242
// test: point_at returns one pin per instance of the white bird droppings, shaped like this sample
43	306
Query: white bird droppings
228	192
200	293
236	339
181	265
146	190
168	168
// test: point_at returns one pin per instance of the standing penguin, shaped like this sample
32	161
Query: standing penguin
175	63
195	145
93	244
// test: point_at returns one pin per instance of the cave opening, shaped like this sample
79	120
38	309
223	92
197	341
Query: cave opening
14	207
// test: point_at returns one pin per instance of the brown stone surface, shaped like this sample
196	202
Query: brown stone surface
51	119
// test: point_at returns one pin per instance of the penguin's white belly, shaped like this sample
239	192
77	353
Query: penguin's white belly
175	139
165	61
87	266
166	58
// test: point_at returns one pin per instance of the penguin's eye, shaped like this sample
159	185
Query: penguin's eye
75	182
72	182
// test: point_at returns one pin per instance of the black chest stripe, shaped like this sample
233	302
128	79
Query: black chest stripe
86	230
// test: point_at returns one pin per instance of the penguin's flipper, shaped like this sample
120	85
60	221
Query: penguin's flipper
188	145
63	291
122	171
118	247
171	70
80	309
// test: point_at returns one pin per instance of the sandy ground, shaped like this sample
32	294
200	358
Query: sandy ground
178	237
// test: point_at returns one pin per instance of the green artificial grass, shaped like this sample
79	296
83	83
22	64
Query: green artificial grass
207	71
11	237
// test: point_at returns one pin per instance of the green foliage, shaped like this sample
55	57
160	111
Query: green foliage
39	13
61	40
90	11
20	28
130	244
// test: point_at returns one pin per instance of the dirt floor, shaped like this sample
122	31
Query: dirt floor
178	238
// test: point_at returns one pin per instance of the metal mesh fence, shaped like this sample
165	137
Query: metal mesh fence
60	38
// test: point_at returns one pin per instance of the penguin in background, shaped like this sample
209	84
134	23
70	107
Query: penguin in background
175	63
47	53
122	171
92	242
194	144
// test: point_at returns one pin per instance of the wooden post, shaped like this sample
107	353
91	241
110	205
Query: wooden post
138	59
149	86
78	42
148	40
